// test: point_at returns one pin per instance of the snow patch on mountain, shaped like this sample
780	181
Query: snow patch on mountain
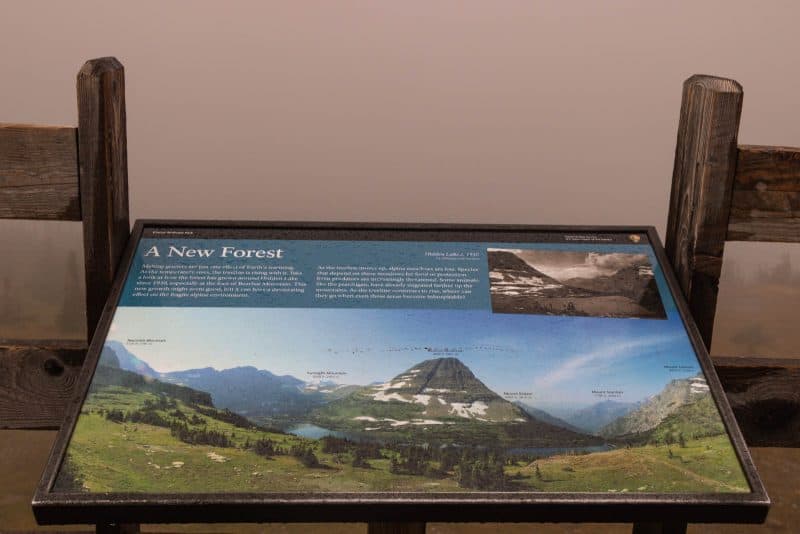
386	397
469	410
381	391
422	399
397	422
698	385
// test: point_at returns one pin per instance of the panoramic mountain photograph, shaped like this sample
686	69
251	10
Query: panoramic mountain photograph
568	282
200	400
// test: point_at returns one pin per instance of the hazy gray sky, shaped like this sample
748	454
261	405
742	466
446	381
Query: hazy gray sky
526	112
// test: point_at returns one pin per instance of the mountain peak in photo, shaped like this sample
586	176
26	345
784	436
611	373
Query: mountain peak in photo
440	391
506	260
115	354
443	373
677	393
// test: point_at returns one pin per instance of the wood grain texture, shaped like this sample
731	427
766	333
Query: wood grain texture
104	177
766	195
37	382
773	168
702	183
395	528
39	172
764	394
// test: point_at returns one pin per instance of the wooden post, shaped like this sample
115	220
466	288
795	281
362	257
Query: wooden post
103	171
702	182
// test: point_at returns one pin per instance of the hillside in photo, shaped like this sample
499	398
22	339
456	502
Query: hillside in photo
653	411
254	393
617	285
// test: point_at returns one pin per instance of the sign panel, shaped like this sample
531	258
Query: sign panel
421	362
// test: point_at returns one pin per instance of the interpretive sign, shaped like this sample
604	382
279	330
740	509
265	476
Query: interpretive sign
268	371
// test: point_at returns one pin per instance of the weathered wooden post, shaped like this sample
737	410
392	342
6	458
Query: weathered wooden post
702	183
103	170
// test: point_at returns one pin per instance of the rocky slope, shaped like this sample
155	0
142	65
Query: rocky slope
114	351
653	411
510	275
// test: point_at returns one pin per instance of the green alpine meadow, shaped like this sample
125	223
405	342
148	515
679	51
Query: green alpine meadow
435	427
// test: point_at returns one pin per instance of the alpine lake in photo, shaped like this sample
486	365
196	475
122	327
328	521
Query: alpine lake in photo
434	428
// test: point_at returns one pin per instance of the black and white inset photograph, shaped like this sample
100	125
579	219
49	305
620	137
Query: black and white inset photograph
561	282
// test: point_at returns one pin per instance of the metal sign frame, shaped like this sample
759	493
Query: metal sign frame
58	507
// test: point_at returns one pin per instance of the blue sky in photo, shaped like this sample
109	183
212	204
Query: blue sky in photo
559	359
